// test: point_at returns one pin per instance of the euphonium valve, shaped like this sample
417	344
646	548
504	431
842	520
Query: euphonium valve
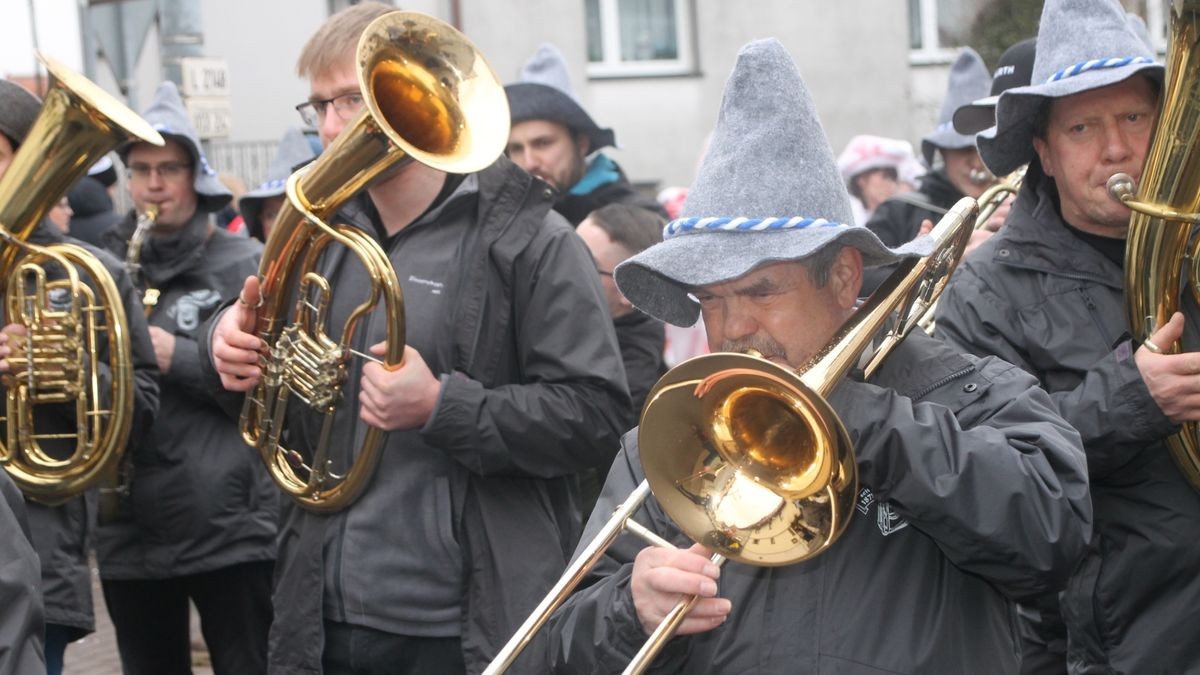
430	97
67	303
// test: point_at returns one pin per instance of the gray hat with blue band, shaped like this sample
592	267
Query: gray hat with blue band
767	191
1082	45
169	117
544	93
969	81
294	150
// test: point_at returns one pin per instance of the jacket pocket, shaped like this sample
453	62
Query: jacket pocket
444	517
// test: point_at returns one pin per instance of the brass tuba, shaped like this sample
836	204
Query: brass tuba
58	362
1165	209
746	457
430	97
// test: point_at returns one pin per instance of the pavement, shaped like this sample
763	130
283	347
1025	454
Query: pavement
97	653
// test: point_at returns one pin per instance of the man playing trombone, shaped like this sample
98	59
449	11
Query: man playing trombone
971	489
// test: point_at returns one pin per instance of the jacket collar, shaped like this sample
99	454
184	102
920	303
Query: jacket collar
1035	237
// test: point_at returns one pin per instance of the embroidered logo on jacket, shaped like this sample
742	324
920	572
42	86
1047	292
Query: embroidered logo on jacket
435	287
186	311
886	517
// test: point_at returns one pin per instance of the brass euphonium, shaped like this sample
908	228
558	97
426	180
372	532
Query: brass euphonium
430	97
1165	209
58	361
746	457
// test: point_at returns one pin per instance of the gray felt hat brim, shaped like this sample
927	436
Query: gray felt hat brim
534	101
945	137
659	280
1009	145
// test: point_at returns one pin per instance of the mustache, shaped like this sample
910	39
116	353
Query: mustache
764	345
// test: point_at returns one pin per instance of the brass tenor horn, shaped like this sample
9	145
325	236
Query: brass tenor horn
1165	210
746	457
58	363
430	97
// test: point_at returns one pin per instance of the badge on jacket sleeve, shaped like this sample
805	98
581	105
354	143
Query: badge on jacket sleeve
886	517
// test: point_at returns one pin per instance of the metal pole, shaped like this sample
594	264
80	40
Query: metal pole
37	69
182	35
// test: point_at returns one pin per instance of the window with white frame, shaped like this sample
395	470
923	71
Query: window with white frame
632	38
937	28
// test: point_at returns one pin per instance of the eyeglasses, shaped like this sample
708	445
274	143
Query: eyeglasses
344	105
167	171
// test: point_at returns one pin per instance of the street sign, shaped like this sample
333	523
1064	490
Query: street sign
212	117
204	76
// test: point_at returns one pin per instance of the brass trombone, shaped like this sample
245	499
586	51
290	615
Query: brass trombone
430	97
746	457
58	361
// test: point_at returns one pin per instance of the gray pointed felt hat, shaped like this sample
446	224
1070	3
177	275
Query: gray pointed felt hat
168	116
294	151
969	81
544	93
1081	45
767	191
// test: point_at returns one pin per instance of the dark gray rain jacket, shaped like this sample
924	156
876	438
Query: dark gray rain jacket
972	492
1041	298
63	534
470	519
21	627
200	498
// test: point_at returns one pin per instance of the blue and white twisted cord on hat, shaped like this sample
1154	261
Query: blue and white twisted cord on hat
687	225
1097	64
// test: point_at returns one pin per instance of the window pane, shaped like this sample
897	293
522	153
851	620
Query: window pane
956	18
914	24
648	30
595	40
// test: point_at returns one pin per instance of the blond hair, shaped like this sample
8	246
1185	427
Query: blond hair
337	38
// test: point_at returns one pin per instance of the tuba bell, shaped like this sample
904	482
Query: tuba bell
66	300
1165	209
747	457
430	97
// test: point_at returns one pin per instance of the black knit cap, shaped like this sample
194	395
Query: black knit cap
18	110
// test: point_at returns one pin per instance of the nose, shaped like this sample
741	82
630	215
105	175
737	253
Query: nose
737	323
1117	147
331	126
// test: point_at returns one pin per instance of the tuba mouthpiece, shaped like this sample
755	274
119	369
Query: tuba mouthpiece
1121	187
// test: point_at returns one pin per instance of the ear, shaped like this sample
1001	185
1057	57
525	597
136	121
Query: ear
583	144
1043	153
846	276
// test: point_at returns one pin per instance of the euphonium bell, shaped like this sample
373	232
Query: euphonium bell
58	363
430	97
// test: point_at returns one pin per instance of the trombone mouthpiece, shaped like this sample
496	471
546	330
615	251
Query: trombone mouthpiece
980	176
1120	187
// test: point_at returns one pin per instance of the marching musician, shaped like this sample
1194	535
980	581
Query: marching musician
972	490
199	522
63	534
511	382
556	140
1047	293
21	625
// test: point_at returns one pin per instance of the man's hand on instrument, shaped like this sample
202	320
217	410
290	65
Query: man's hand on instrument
664	576
164	347
401	398
11	342
235	347
1173	379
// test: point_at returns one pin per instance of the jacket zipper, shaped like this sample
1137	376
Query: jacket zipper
942	382
1092	312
